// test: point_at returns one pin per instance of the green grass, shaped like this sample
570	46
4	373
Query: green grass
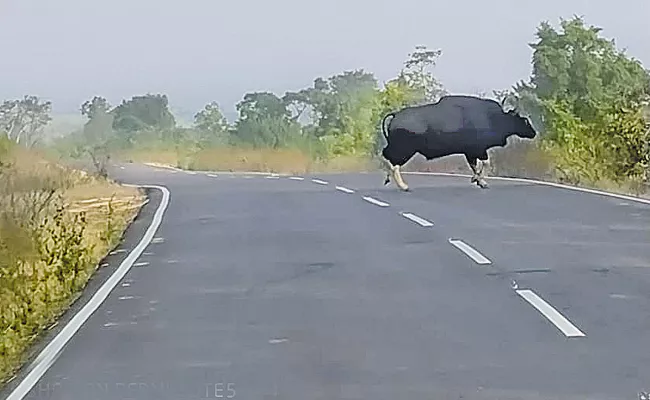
56	224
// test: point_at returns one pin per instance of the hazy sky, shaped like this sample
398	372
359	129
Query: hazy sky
197	51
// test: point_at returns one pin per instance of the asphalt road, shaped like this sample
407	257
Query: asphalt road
259	287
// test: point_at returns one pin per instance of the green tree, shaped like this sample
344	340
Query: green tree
343	110
142	113
264	121
418	74
23	120
97	105
211	125
591	98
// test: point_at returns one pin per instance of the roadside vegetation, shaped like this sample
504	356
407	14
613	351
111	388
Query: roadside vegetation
56	224
588	100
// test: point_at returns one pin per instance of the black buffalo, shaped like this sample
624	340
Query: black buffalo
454	125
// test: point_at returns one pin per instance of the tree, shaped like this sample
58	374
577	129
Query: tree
591	98
264	121
94	106
211	124
143	112
586	71
418	74
22	121
261	105
97	132
342	111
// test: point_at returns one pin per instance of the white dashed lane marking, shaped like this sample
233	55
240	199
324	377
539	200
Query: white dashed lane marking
470	251
375	201
212	175
296	178
344	189
550	313
320	182
118	251
417	220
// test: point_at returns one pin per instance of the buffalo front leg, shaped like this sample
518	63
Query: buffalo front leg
394	164
483	173
397	177
478	170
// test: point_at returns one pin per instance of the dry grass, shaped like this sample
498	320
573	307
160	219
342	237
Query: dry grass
292	161
168	157
55	226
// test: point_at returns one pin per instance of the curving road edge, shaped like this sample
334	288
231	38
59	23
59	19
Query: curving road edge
51	352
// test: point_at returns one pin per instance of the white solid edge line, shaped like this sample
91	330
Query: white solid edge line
375	201
344	189
470	251
320	182
52	351
534	181
557	319
417	220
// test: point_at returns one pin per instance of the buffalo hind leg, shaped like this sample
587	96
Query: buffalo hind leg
478	168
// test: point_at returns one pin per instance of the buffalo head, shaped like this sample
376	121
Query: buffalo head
521	126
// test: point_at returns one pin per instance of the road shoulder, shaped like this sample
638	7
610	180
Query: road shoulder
130	239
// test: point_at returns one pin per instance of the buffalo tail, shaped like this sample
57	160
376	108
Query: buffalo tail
383	124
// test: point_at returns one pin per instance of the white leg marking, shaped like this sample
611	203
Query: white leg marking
51	352
550	313
397	177
470	251
417	219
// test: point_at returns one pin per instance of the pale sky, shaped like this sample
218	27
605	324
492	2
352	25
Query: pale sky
197	51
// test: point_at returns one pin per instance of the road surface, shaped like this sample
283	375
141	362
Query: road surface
336	287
